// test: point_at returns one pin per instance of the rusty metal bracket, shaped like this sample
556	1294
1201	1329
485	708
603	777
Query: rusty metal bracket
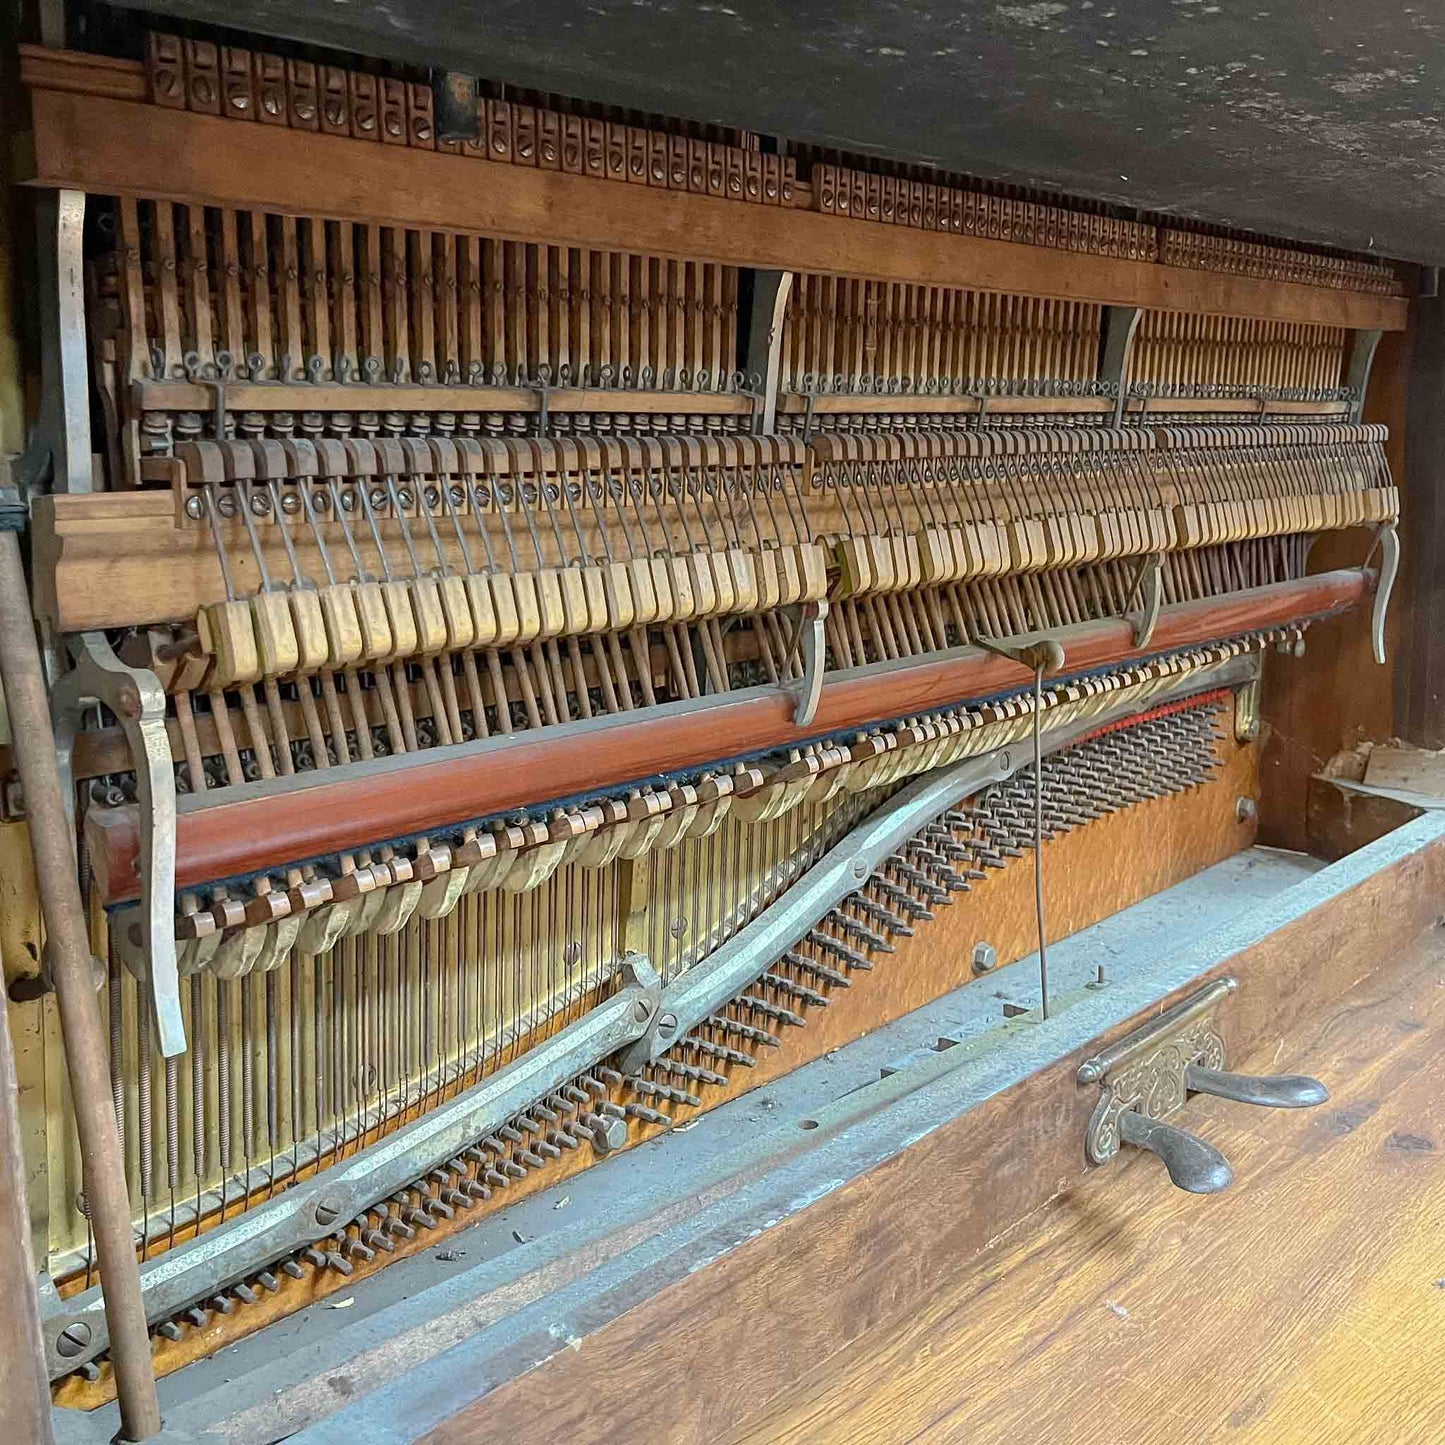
138	701
1246	712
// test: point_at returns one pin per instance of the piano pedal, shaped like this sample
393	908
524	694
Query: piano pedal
1148	1075
1194	1165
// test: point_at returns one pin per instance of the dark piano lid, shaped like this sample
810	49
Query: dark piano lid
1321	122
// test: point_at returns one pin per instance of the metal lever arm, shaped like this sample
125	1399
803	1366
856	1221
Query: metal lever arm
1388	541
809	688
1033	650
1274	1091
136	698
1193	1165
1149	589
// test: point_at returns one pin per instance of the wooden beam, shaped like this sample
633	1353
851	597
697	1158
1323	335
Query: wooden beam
108	146
388	396
316	814
24	1387
1420	671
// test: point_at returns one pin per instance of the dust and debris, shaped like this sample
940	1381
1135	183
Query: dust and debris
341	1304
1117	1310
1038	14
1366	82
450	1256
1410	1143
520	1237
563	1202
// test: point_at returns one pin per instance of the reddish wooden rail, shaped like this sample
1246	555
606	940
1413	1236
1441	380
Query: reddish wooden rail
269	825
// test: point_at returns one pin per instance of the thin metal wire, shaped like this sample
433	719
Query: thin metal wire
1039	837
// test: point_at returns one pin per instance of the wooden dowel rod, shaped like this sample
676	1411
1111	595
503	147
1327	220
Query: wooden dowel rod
72	973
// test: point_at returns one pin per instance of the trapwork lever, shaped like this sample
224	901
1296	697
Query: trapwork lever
136	698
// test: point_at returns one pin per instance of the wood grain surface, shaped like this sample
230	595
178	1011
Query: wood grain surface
110	146
1305	1304
759	1321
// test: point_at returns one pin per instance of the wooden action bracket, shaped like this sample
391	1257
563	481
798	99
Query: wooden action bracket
81	105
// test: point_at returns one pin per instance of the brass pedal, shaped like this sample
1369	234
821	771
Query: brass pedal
1148	1075
1194	1165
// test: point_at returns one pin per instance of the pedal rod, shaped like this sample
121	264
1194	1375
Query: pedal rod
72	974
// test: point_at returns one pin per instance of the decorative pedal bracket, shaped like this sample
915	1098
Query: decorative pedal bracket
1149	1074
